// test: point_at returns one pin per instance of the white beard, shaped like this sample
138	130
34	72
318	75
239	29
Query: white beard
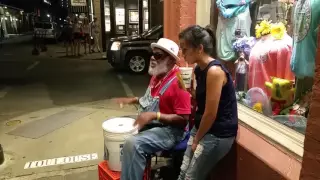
159	68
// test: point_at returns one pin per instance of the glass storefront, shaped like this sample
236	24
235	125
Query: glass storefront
126	16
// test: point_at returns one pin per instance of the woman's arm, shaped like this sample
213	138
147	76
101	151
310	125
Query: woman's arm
215	80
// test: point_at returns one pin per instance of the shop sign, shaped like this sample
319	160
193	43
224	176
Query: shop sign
78	2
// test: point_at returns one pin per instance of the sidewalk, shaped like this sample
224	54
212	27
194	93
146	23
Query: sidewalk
17	38
82	136
59	51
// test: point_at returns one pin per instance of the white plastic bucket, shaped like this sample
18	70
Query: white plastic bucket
186	74
115	132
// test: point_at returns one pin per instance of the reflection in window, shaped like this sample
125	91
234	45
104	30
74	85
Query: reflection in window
268	73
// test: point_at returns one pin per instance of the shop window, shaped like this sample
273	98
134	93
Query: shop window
262	45
120	17
145	9
107	15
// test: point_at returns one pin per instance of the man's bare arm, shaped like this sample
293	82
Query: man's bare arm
172	119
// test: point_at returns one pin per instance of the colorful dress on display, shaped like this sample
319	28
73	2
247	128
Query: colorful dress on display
306	21
226	29
270	58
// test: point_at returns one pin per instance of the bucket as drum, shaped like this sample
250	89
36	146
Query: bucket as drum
115	132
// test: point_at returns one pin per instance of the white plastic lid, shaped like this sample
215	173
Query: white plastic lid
119	125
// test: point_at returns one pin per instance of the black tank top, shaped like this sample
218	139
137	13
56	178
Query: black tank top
226	123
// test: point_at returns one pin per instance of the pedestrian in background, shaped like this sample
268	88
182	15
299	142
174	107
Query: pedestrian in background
86	34
95	33
77	34
67	34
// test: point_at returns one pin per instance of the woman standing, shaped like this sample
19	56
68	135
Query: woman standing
86	33
216	119
77	34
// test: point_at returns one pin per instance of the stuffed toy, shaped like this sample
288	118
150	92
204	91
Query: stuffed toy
282	93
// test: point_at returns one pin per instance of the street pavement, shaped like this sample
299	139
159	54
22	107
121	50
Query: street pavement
35	87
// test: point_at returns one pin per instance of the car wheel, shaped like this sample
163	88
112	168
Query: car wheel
138	62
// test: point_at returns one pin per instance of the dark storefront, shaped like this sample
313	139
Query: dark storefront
129	17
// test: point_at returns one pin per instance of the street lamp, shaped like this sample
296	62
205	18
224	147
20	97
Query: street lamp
48	15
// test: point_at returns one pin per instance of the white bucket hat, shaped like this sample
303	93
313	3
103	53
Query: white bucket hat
168	46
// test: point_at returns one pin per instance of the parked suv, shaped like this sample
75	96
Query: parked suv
133	52
47	29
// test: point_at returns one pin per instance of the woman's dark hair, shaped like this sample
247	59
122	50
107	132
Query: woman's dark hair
197	35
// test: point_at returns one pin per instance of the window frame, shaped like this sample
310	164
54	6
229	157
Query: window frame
279	134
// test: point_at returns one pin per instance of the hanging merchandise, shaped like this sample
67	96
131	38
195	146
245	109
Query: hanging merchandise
232	8
226	29
270	57
306	21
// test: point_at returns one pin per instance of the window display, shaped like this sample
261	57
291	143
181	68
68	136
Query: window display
270	62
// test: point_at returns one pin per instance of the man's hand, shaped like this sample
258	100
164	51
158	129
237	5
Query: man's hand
144	118
125	101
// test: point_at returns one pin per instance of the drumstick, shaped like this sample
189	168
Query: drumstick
180	80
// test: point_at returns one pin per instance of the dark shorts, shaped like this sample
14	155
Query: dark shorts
86	36
68	38
77	36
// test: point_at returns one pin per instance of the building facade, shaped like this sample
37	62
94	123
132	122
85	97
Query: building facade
14	21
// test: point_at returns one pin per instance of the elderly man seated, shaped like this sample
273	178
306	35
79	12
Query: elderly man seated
163	111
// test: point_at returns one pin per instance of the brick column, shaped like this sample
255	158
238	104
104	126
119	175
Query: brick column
97	13
311	157
178	14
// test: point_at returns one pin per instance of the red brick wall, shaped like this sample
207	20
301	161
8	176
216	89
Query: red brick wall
255	158
311	158
178	14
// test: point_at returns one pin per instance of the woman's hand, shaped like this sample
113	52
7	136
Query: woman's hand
194	145
145	118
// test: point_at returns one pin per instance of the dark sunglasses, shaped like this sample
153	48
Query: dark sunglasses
158	56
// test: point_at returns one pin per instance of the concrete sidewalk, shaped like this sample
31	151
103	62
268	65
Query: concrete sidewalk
59	51
83	136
